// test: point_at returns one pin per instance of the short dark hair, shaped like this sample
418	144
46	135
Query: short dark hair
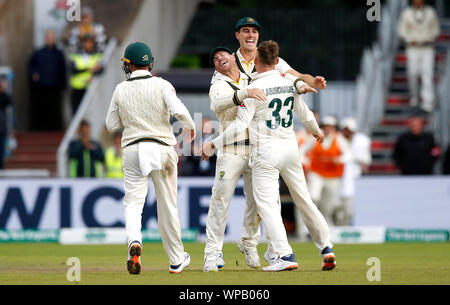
268	52
84	122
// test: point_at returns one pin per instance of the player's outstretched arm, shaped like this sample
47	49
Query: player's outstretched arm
244	117
222	99
307	117
317	82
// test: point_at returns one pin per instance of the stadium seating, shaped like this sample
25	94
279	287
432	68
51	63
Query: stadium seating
397	109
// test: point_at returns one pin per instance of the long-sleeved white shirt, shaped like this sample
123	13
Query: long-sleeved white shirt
270	122
419	25
143	107
361	154
224	102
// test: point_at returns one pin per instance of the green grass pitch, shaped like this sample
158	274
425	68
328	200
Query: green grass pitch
401	263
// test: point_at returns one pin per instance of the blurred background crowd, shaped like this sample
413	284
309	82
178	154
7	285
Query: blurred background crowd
384	112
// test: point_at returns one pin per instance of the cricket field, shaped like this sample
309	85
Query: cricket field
399	264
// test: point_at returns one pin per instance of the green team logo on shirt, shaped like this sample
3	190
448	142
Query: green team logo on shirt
276	119
221	174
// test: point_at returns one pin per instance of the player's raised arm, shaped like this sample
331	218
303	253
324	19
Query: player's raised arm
307	117
317	82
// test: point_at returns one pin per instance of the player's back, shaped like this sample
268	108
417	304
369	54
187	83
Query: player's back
143	111
272	124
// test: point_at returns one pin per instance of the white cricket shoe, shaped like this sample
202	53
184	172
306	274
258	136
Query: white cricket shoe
220	261
178	268
284	263
251	256
269	257
210	265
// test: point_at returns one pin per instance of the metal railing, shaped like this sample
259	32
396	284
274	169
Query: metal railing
376	68
94	105
441	120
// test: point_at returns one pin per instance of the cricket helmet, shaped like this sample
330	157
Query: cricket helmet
138	53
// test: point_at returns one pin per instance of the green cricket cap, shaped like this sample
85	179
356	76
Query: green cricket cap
247	21
138	53
214	51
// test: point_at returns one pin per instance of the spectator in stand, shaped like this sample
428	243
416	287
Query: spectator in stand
5	102
359	162
113	158
419	27
47	78
415	151
84	66
87	27
327	167
85	155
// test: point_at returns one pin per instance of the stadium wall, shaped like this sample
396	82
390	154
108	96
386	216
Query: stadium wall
384	206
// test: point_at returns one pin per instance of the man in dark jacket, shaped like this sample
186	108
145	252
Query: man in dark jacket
47	76
86	156
415	151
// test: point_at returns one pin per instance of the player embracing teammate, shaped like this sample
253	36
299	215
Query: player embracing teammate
274	152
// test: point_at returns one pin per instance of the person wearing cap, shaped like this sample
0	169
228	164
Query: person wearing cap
327	167
142	106
87	27
84	66
275	154
227	93
360	160
247	32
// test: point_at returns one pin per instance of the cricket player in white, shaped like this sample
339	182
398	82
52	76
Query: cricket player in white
227	92
142	106
274	153
225	95
419	27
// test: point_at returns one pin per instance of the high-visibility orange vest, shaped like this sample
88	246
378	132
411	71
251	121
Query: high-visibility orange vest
326	169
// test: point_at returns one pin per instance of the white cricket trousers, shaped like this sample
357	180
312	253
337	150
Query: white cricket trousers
165	183
421	63
325	192
229	168
265	173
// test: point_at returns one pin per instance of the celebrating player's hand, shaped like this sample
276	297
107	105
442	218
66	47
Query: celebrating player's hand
257	94
304	88
319	136
320	82
190	134
207	150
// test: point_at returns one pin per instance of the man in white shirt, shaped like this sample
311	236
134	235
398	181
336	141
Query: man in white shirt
226	93
274	153
142	106
360	160
419	27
